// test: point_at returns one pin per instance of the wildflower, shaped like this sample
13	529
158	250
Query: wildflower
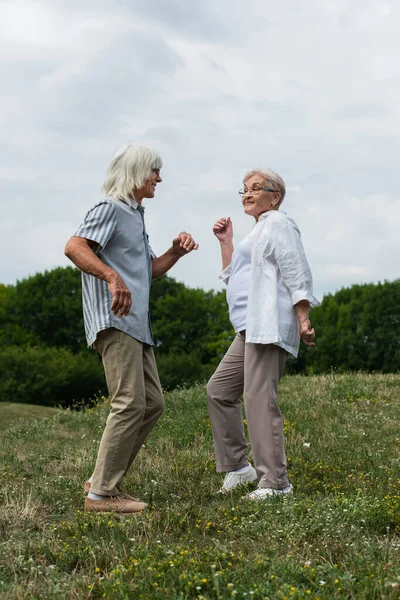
306	444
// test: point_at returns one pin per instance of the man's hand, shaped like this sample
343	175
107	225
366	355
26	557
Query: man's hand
223	230
122	297
307	333
183	244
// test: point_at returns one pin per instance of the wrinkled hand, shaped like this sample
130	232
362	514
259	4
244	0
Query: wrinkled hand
307	333
122	297
223	230
183	244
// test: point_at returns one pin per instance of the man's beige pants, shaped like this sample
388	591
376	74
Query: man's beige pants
253	370
136	404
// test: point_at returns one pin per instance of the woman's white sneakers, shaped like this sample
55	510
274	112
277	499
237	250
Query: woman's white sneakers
264	493
235	478
247	475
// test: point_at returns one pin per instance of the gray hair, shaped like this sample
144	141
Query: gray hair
129	169
271	178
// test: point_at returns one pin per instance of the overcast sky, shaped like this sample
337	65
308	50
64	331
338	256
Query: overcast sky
309	89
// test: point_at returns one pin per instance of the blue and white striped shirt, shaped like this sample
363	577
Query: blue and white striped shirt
119	230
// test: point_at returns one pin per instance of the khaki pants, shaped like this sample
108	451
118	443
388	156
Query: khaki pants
136	404
253	370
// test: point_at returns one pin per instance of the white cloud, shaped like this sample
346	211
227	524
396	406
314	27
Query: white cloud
218	87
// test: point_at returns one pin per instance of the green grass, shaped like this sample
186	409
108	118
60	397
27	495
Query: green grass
337	537
13	411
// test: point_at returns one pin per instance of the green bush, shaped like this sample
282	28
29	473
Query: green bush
180	369
49	376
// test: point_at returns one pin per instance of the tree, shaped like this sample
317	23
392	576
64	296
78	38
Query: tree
44	309
357	329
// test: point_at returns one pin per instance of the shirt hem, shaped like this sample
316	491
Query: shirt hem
259	339
90	340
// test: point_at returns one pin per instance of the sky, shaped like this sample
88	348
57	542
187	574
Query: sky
218	87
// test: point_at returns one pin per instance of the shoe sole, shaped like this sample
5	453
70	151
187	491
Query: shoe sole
276	494
112	511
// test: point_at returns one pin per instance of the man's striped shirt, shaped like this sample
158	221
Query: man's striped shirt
119	231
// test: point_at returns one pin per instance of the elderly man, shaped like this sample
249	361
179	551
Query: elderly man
111	248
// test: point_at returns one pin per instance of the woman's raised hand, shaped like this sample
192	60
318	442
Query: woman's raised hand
223	230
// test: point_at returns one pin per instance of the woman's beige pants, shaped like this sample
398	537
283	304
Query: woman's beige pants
251	370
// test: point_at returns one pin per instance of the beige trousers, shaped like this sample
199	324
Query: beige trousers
253	370
136	404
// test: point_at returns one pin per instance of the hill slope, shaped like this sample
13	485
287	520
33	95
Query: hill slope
337	537
10	412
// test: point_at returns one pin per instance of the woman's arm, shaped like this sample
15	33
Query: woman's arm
296	275
223	231
306	331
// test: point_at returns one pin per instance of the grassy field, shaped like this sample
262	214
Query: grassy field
10	412
336	537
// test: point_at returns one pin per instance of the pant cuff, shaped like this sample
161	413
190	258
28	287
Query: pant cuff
273	485
100	492
232	467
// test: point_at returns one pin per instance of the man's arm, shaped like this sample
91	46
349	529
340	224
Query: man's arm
181	245
80	252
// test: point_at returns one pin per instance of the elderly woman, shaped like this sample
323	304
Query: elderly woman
269	295
111	248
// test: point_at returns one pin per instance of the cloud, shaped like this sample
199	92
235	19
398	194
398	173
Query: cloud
218	88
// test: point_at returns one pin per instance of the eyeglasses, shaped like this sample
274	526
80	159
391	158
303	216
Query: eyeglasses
255	191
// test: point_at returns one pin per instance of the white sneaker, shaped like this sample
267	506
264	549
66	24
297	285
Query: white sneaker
234	478
264	493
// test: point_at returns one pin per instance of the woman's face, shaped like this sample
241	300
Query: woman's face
257	200
149	188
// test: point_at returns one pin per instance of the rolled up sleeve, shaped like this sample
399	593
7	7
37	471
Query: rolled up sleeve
225	274
293	265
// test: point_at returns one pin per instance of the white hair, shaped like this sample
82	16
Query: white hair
271	178
129	169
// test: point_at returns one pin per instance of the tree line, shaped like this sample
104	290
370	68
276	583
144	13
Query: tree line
44	358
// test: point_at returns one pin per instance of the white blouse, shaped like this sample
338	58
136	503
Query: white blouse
239	282
279	278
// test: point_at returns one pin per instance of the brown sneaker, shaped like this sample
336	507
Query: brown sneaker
117	504
86	490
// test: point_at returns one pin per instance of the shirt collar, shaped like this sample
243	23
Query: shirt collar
266	214
133	204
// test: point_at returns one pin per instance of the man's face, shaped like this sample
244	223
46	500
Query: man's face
149	187
256	200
